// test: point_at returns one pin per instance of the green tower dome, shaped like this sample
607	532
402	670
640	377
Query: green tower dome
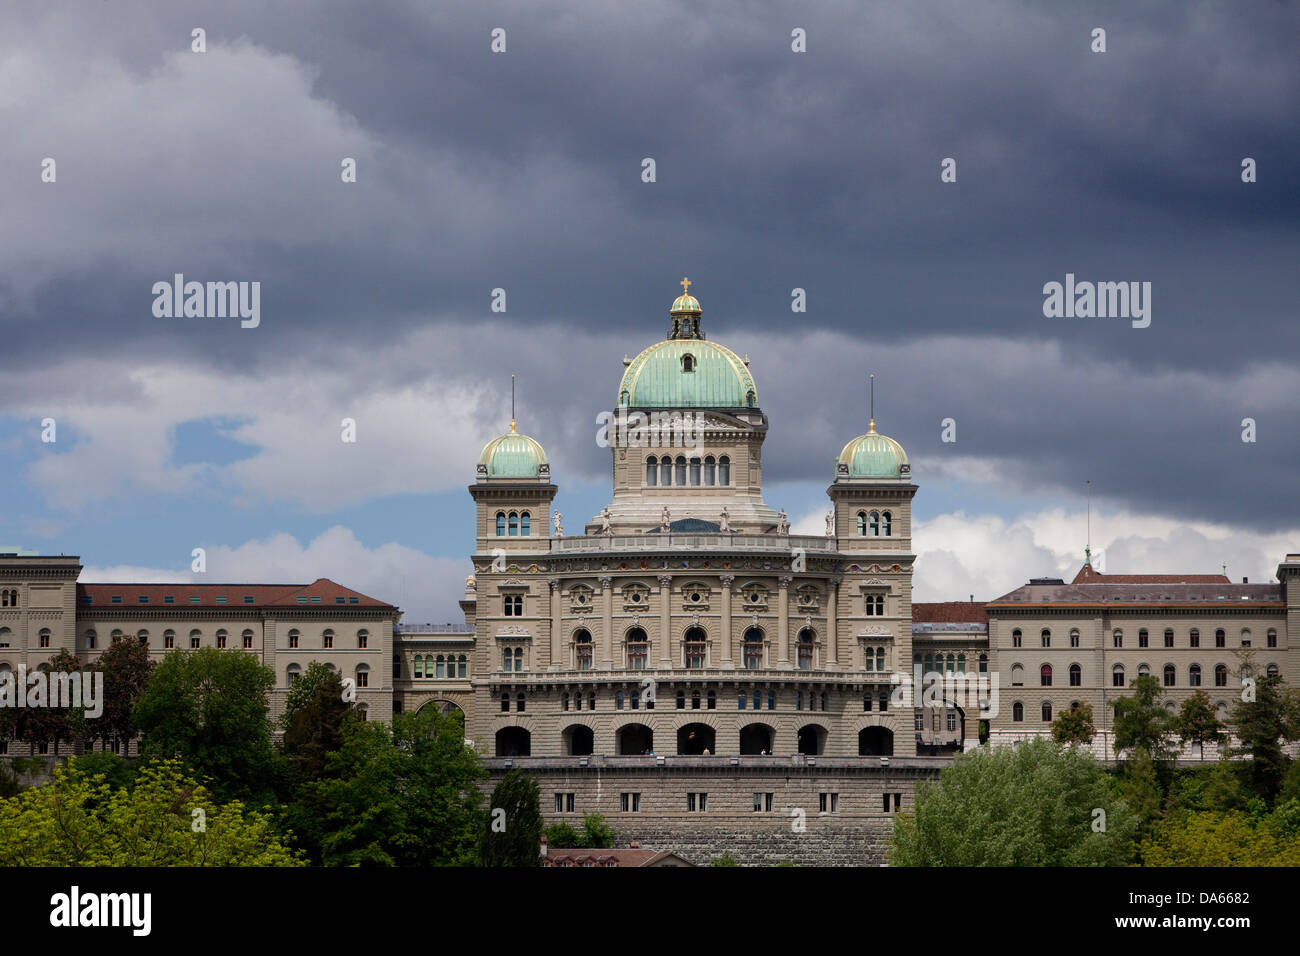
686	370
872	456
513	456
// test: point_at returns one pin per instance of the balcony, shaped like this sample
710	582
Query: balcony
775	543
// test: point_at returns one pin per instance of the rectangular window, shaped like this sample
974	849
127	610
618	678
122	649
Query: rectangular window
767	801
697	802
194	641
885	801
169	599
630	802
758	802
898	801
363	680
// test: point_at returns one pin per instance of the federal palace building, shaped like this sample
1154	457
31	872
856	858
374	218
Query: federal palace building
683	655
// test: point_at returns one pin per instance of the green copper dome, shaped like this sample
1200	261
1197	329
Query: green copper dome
513	456
687	373
685	303
872	456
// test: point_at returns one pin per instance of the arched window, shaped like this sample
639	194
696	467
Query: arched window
695	700
1194	675
462	665
1194	638
693	645
1076	675
520	699
1170	675
753	649
1271	670
724	470
1045	675
681	700
1169	637
292	673
984	663
757	701
805	650
771	700
695	471
247	637
363	675
513	524
45	637
862	523
1017	675
665	471
582	649
501	523
525	523
1117	637
618	700
1046	637
1047	711
638	646
1074	637
961	663
887	523
505	702
710	470
442	667
1017	639
417	666
90	639
221	638
713	700
679	477
1144	639
651	471
1018	712
1220	638
874	523
880	658
363	638
1144	670
1272	637
508	659
327	638
196	636
950	664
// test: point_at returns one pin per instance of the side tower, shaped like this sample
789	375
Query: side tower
509	594
871	522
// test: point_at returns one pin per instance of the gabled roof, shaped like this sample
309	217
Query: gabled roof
950	612
623	857
321	593
1087	575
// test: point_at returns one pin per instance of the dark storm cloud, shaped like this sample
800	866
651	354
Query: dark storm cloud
775	170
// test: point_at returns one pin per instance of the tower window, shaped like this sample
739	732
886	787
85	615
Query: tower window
862	523
887	520
514	524
709	469
525	520
875	523
688	361
651	471
501	524
724	470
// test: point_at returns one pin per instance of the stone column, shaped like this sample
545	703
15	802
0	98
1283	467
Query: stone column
728	660
557	627
665	622
783	621
832	625
607	624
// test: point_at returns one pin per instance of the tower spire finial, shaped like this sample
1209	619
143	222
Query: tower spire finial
686	286
1087	549
871	430
512	405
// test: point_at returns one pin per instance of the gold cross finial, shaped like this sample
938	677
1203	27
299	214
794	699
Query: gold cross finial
686	286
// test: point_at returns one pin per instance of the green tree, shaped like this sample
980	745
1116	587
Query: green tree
313	719
1197	722
45	723
1141	721
511	835
1224	839
404	794
1074	726
166	819
725	860
126	667
1034	805
1260	725
1291	782
596	833
1139	786
210	708
562	836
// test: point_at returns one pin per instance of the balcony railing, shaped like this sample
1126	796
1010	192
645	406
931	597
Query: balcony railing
695	542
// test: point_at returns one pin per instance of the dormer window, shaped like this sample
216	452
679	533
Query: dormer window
688	362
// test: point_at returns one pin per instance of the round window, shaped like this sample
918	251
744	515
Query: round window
695	595
635	598
753	598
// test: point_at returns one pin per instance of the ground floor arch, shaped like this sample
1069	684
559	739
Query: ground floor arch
694	739
756	739
578	740
875	742
812	739
633	739
513	742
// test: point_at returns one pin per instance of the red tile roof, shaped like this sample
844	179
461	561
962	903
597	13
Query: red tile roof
603	858
264	595
949	612
1087	575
